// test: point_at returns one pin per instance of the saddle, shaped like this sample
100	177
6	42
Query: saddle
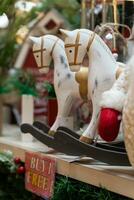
82	79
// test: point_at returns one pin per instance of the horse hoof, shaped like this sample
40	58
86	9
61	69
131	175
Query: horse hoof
52	133
86	140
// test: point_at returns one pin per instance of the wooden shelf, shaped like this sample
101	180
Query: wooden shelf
114	178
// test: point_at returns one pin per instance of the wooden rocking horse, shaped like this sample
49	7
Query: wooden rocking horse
102	73
67	88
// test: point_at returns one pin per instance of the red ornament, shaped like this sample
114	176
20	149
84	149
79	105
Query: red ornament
109	124
17	160
21	170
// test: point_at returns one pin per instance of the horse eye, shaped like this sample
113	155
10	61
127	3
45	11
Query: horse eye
70	51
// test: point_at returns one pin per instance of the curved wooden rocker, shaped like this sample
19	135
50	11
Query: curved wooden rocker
41	126
66	143
43	137
109	146
116	147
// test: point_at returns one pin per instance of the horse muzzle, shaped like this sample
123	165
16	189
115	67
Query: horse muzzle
44	69
75	68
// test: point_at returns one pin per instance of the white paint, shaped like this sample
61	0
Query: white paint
66	88
27	112
4	21
102	69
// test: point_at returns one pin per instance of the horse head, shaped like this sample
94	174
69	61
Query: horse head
43	48
77	44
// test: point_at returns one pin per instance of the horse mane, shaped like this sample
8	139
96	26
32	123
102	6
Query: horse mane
54	38
99	39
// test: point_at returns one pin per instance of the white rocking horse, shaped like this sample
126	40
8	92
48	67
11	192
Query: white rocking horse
103	69
46	49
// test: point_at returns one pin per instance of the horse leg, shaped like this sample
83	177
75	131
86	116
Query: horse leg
91	130
64	106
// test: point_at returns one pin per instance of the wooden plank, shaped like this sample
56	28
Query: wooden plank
114	178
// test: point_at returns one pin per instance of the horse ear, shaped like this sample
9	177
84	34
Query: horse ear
34	39
64	32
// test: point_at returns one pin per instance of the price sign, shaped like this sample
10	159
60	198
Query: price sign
40	174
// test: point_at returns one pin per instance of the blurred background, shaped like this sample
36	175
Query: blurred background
19	74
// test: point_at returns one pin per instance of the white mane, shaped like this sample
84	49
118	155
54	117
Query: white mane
98	38
54	39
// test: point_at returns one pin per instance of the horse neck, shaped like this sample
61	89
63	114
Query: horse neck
60	59
99	54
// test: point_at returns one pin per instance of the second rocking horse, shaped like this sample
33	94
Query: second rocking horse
102	73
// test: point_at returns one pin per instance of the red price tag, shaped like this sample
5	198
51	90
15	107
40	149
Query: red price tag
40	174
